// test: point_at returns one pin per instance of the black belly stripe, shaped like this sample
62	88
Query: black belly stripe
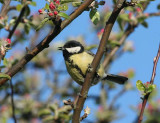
76	67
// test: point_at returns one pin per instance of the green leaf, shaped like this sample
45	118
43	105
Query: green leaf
60	8
145	1
107	15
5	86
3	75
5	62
46	6
131	73
42	24
64	15
27	28
158	7
76	4
48	119
53	107
124	17
66	1
94	16
114	43
140	86
1	1
19	7
91	47
140	6
101	3
150	88
27	11
12	21
1	26
65	7
141	19
114	1
129	8
145	24
120	23
153	86
33	3
44	112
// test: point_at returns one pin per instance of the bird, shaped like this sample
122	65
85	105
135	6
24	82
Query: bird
78	61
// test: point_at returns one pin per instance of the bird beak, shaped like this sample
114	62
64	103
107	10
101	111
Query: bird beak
60	48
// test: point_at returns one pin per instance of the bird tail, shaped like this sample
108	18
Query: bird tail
115	78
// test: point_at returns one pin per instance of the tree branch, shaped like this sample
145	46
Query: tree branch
45	42
17	22
89	76
145	99
154	14
127	32
4	9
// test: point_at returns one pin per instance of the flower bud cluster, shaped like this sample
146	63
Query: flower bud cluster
137	16
5	45
53	9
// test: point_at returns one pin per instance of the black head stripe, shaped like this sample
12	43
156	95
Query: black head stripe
72	43
72	47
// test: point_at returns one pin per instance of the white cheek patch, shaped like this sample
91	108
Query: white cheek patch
73	49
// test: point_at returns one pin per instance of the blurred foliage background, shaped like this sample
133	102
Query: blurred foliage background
42	86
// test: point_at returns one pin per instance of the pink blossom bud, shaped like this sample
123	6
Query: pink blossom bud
50	14
52	6
100	32
130	15
1	18
147	83
55	12
138	10
8	40
57	2
3	108
146	14
40	11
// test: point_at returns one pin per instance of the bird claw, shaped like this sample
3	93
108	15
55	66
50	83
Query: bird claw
90	69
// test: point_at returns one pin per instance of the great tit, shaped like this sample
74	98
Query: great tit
78	61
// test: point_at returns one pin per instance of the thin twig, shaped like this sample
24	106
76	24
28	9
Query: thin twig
145	99
127	32
12	102
89	76
84	116
119	94
68	102
154	14
17	22
4	9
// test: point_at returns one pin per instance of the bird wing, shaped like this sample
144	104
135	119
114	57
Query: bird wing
90	53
